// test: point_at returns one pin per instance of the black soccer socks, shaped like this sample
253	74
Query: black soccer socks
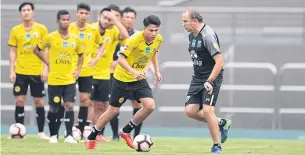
137	129
114	123
69	120
19	115
82	118
129	127
40	116
59	119
93	134
52	123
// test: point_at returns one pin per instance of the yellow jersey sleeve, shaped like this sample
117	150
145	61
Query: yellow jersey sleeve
159	39
12	40
44	43
129	46
44	31
98	37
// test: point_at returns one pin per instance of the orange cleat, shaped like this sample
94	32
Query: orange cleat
90	144
127	138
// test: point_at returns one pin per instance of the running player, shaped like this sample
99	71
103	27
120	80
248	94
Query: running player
28	69
129	79
207	78
62	48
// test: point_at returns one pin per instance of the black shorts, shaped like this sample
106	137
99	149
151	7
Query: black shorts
85	84
123	90
58	92
131	97
101	90
197	94
23	81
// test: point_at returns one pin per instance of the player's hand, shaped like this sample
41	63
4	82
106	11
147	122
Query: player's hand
111	16
208	86
158	78
44	75
93	62
12	77
138	75
76	74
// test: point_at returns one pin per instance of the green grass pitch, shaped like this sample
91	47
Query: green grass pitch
162	146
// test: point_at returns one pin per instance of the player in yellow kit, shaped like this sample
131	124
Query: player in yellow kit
28	69
111	31
129	79
63	48
90	39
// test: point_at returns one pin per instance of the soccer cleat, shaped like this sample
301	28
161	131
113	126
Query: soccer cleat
224	130
90	144
53	139
216	149
127	138
43	136
70	140
101	138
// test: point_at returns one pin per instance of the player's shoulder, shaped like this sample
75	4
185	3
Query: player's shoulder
159	38
17	27
40	26
52	34
207	31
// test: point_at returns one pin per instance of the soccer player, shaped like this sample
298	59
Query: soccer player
29	69
111	31
207	78
128	20
61	50
90	39
129	79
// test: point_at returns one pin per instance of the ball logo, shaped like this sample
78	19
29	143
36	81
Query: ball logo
56	99
17	89
35	35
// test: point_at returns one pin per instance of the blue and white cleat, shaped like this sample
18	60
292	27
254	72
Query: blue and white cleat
216	149
224	130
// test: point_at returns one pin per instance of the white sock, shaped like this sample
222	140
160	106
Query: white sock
218	119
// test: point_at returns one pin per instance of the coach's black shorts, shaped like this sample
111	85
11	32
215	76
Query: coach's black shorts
197	94
85	84
101	90
58	92
23	81
123	90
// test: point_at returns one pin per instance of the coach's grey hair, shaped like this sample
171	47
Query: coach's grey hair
194	15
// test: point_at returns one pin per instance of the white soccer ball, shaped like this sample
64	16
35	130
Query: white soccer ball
17	130
87	131
143	143
76	134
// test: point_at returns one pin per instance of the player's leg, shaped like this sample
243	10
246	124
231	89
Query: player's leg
136	107
118	97
60	116
114	122
85	89
69	95
90	113
38	92
20	91
54	95
100	97
142	95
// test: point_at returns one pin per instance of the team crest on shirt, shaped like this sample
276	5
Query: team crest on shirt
147	50
65	44
107	39
72	44
89	35
199	44
27	36
215	45
35	35
81	35
193	42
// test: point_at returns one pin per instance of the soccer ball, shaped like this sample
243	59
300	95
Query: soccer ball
87	131
76	134
142	143
17	130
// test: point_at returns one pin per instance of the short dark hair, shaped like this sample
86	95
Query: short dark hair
83	6
26	3
114	8
105	9
152	19
129	9
62	12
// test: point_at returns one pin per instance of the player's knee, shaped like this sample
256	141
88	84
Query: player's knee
99	106
68	106
150	107
38	102
20	101
189	112
113	110
208	112
84	99
54	107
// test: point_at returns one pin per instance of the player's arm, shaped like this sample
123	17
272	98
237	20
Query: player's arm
40	49
123	31
44	75
155	63
80	53
129	47
12	42
100	49
213	47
